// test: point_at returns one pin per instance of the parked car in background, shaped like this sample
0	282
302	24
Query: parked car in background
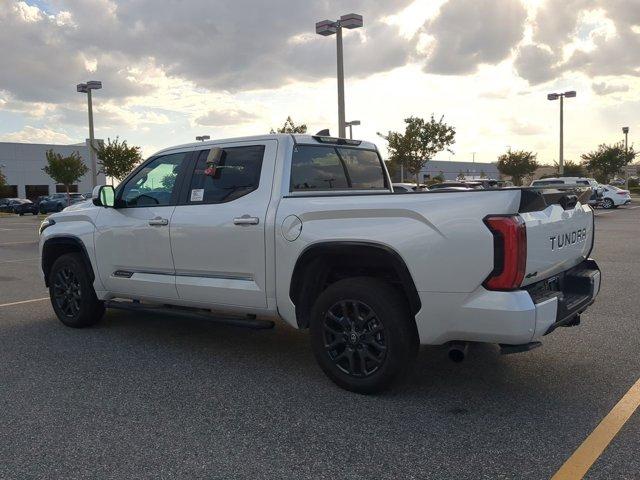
452	186
87	195
408	187
6	204
58	201
23	206
596	188
617	182
613	197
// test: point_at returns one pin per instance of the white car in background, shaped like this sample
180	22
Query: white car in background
613	197
408	187
596	188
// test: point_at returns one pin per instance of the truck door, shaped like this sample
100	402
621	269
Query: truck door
218	229
132	241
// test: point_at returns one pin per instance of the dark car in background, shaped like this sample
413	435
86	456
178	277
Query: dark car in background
6	204
25	206
18	205
58	201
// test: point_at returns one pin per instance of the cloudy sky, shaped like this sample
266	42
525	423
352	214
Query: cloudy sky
174	69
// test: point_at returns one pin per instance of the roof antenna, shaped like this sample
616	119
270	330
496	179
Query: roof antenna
324	133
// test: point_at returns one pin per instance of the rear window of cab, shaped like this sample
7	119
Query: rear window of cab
322	168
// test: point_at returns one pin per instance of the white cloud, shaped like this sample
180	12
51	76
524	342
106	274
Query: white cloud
31	134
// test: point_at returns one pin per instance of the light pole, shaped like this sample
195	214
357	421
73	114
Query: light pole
326	28
86	88
625	130
555	96
350	125
202	138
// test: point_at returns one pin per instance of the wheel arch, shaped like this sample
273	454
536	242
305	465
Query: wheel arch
324	263
54	247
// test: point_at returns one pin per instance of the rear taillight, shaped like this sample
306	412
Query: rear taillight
509	252
622	193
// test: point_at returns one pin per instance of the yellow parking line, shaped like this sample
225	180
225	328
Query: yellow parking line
580	462
24	301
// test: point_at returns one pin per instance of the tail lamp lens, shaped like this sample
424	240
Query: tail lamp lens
510	252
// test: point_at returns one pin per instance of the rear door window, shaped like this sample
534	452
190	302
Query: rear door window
325	168
226	174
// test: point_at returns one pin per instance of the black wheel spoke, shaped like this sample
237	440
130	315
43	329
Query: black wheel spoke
338	341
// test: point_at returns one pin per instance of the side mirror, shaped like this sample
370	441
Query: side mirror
104	196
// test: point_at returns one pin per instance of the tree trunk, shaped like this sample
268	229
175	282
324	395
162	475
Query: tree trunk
418	179
68	196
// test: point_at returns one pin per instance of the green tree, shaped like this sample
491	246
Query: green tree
571	169
482	174
290	127
419	143
461	175
517	164
117	159
3	180
607	160
65	170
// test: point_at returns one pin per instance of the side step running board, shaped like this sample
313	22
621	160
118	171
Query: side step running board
250	321
525	347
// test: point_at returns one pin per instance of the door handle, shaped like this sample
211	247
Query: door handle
158	222
246	220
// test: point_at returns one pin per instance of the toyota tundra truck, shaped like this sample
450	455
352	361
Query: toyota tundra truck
307	229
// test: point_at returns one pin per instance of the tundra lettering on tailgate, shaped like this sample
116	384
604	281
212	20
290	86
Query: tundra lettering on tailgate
570	238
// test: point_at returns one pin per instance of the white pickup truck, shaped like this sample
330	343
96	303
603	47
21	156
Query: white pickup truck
307	229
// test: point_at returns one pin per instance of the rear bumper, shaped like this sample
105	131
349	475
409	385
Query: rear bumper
571	293
513	318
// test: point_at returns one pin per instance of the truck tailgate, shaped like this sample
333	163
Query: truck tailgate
559	237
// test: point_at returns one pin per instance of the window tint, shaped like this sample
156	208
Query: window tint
223	175
363	168
330	168
155	183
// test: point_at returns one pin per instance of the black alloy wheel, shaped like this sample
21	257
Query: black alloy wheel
71	291
363	334
67	292
354	338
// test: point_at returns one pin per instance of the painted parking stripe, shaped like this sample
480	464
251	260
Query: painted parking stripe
20	260
16	243
584	457
23	302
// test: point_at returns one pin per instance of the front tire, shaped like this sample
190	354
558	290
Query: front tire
72	295
362	334
607	203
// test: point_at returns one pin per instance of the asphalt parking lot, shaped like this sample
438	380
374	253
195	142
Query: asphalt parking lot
161	396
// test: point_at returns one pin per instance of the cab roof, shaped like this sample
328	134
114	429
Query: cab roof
303	139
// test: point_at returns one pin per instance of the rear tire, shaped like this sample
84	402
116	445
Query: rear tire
363	335
607	203
71	291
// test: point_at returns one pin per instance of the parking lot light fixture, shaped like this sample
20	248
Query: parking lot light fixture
350	125
86	88
625	130
202	138
327	28
561	96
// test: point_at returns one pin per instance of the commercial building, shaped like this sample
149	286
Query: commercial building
453	170
22	165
